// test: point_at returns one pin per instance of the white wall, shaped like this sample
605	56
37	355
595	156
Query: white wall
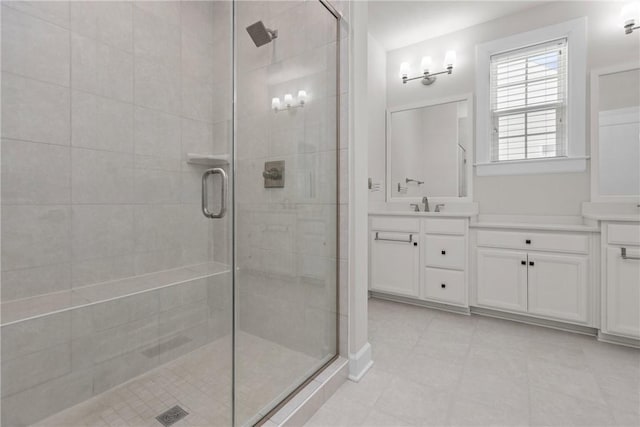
552	194
377	91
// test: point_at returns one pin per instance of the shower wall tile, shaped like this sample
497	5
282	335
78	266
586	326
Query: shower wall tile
197	137
198	59
34	173
101	69
154	38
28	282
97	270
157	86
35	236
111	22
35	368
157	134
198	99
55	12
157	186
167	11
101	231
101	176
22	338
196	19
35	111
163	259
34	48
20	409
101	123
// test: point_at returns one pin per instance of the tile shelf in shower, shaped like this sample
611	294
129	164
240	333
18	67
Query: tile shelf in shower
208	159
43	305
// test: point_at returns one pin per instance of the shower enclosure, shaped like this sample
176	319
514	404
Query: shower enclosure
169	209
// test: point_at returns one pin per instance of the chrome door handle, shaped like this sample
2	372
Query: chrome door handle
623	253
223	193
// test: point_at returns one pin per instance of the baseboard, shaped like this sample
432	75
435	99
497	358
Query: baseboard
360	363
585	330
419	303
614	339
307	402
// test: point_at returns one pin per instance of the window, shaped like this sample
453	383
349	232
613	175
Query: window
528	102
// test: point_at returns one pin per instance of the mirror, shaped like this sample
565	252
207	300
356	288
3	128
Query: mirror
429	150
617	133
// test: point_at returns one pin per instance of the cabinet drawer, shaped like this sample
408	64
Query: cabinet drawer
623	234
395	224
444	226
444	285
445	252
555	242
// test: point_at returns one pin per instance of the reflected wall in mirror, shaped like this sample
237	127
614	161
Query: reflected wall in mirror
617	148
428	149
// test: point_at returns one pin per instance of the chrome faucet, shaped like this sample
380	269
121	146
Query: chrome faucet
439	207
425	202
416	207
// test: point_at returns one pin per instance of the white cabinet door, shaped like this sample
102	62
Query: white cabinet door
558	286
502	279
394	263
623	293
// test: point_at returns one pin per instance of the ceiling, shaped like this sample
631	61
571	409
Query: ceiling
401	23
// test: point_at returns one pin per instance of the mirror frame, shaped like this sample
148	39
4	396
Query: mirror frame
468	97
594	132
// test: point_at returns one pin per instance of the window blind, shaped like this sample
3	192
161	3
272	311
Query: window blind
528	94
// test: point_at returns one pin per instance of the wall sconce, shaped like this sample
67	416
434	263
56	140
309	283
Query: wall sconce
427	76
288	101
629	15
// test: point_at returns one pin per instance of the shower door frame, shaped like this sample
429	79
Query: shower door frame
338	17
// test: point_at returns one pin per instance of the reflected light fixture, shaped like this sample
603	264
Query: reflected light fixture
276	105
427	77
629	15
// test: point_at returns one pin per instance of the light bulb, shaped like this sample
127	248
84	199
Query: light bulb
425	64
630	14
302	96
404	69
450	59
288	99
275	103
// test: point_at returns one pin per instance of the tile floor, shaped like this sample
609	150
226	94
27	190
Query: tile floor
437	368
200	382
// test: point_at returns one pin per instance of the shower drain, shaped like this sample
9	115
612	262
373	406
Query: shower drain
172	416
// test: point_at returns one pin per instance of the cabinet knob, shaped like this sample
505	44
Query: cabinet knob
443	285
415	243
528	241
531	263
444	252
523	262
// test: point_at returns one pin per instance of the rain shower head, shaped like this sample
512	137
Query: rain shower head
261	34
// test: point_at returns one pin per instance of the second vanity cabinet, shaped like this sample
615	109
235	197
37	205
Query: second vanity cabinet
535	273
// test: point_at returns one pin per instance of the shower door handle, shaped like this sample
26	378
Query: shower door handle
223	193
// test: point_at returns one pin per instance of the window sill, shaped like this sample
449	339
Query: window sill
533	167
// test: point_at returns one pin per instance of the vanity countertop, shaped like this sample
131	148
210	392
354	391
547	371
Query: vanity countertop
612	217
443	214
535	226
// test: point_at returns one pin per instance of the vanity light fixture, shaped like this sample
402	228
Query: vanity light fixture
629	15
276	105
427	76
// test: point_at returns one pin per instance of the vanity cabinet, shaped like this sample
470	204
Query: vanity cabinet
419	258
621	280
534	273
394	253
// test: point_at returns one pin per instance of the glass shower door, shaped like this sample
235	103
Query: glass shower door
286	196
117	298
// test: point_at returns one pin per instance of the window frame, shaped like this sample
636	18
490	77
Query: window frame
575	125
